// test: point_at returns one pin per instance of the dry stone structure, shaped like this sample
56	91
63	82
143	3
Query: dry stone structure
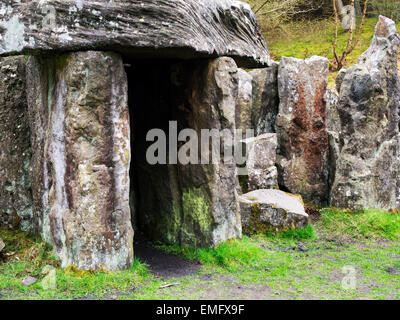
84	84
100	75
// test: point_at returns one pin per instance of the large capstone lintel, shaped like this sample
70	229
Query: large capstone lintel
141	29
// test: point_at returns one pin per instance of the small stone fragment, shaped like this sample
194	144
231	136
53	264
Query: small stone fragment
2	245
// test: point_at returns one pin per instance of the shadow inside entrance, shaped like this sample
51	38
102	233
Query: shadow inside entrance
161	263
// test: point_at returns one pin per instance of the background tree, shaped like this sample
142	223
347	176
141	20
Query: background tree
352	41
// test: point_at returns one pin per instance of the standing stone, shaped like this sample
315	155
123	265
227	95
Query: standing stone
81	155
244	104
260	164
301	127
349	18
265	98
15	148
213	87
333	130
367	173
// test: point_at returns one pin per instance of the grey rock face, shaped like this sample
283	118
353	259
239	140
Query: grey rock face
81	154
367	174
245	102
260	164
271	211
333	130
301	127
15	150
146	28
339	79
265	98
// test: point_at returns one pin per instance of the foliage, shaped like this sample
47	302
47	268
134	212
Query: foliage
271	14
352	39
304	39
388	8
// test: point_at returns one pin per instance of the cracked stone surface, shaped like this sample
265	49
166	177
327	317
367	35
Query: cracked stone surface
367	172
184	29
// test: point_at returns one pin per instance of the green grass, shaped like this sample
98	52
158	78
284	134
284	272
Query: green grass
27	256
359	225
300	264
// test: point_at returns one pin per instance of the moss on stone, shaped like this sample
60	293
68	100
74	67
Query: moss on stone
196	213
244	183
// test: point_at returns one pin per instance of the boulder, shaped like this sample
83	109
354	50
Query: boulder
15	149
265	98
183	29
260	164
81	155
367	173
271	211
303	150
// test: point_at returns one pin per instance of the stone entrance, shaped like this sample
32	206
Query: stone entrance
90	115
186	204
95	88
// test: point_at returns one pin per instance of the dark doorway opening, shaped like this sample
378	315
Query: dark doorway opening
155	98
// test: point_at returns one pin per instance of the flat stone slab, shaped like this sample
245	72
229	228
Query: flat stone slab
147	29
268	210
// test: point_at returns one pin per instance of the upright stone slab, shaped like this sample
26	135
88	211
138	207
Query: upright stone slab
244	105
81	156
333	130
367	173
265	98
15	148
211	189
301	127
